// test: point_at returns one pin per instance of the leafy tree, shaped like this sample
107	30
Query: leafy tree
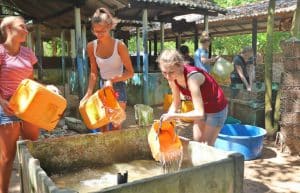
230	3
232	45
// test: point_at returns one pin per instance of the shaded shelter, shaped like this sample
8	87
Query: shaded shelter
70	14
239	20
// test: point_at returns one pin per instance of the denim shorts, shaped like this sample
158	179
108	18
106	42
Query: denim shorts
120	88
217	119
6	119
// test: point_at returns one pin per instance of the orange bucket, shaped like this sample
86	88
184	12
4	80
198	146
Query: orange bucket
167	102
186	106
164	142
102	108
34	103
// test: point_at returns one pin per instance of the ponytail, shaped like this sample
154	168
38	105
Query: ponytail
103	15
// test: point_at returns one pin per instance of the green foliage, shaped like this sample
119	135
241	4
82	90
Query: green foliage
49	46
232	45
133	48
230	3
229	45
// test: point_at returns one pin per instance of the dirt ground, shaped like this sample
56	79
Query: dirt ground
274	172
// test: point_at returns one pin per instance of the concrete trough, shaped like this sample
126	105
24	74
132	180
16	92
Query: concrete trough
211	170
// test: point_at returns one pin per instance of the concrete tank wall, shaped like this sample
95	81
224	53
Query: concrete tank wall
221	172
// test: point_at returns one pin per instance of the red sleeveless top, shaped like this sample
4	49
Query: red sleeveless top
212	94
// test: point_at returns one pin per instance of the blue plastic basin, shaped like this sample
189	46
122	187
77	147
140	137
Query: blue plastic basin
244	139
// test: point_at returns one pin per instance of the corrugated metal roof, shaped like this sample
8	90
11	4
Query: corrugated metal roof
187	3
248	10
256	9
239	19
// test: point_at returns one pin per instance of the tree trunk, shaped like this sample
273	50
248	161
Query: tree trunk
268	69
295	30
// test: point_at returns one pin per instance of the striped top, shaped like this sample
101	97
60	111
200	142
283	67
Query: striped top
14	69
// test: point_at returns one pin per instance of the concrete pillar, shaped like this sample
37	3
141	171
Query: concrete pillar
145	57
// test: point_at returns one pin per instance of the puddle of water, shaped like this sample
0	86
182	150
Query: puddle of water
95	179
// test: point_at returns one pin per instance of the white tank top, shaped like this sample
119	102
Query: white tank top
111	66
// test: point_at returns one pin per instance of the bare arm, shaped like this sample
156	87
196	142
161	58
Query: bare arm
128	73
194	83
176	98
251	75
93	73
242	76
208	60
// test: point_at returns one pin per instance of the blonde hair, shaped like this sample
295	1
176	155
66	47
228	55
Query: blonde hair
103	15
7	21
205	37
170	57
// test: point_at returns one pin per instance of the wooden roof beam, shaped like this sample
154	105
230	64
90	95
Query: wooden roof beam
117	3
57	14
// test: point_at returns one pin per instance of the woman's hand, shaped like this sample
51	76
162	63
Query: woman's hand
248	87
167	117
83	100
53	89
5	106
108	83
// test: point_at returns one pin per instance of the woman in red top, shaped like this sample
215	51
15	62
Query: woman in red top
210	104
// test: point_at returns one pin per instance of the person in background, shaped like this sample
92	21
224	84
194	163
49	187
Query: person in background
240	73
16	64
201	57
184	50
110	56
210	105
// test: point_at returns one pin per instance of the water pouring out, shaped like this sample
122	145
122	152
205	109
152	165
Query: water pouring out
165	144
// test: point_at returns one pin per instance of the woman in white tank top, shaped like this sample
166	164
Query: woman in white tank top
110	56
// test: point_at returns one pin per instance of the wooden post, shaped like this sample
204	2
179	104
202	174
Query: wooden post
78	43
268	69
196	38
206	23
162	36
149	51
254	39
138	49
84	58
155	44
150	47
39	50
177	42
145	57
63	64
72	41
29	41
84	41
210	49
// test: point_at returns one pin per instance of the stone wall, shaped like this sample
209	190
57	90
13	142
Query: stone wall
290	96
278	68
